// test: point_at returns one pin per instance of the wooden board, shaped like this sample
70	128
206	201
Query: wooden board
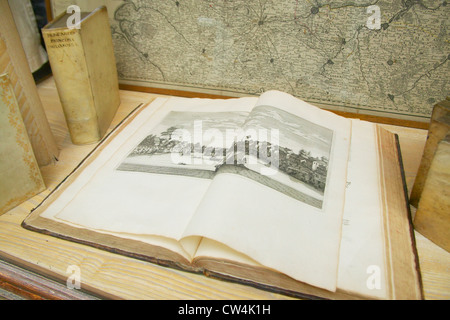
439	128
432	218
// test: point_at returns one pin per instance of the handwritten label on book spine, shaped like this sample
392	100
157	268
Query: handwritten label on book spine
62	39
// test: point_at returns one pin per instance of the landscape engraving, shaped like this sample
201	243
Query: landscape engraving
270	146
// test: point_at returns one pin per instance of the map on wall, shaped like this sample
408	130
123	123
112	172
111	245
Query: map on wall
381	57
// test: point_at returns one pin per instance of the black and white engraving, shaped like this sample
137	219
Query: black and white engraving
270	146
302	154
186	143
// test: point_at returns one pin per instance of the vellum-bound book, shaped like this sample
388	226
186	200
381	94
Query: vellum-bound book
13	61
20	176
84	68
269	191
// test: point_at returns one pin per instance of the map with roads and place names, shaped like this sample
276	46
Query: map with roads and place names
388	57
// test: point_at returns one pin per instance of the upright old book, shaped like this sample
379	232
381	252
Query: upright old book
84	68
13	61
20	177
269	191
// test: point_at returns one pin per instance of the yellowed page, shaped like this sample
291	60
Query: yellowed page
132	202
362	263
273	228
120	192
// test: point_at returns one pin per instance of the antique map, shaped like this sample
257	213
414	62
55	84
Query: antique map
381	57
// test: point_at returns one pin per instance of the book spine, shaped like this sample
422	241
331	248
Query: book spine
70	71
13	61
20	176
100	61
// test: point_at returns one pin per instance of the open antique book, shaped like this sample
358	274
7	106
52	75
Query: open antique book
269	191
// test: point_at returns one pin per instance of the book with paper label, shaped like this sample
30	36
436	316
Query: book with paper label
84	68
268	191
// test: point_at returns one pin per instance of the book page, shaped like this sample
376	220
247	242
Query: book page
274	228
362	266
137	199
163	176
